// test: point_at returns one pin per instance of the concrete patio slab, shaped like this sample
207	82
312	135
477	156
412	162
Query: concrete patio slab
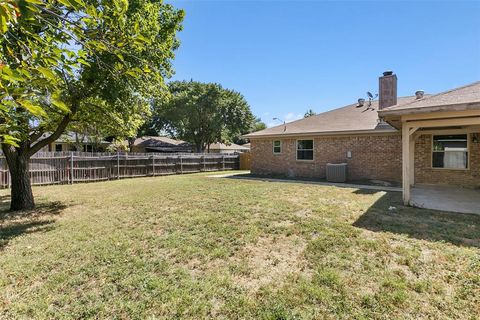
443	198
238	175
446	198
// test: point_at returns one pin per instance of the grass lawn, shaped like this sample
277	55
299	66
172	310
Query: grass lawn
190	246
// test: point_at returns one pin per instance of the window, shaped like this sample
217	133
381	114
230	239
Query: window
277	146
450	152
305	150
87	148
58	147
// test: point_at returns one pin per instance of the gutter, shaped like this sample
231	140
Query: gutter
418	110
320	133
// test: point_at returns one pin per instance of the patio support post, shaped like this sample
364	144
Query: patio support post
406	163
412	160
408	160
412	155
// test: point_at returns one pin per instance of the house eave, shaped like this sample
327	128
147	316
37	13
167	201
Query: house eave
394	117
322	133
449	107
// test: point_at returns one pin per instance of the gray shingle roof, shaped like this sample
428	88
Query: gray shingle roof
465	95
231	146
152	141
351	119
348	119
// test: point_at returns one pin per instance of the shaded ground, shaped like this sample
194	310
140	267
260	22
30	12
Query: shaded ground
196	247
19	223
366	182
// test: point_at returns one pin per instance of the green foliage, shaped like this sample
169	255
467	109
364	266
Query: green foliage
82	61
118	145
78	63
202	113
257	125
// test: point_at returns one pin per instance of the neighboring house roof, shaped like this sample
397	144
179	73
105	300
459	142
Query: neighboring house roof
232	146
161	143
156	141
346	120
462	98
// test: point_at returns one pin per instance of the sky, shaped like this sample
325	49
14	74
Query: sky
286	57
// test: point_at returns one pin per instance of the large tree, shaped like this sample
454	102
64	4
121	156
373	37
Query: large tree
202	113
74	61
257	125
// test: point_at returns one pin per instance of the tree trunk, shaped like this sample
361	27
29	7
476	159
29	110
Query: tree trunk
21	188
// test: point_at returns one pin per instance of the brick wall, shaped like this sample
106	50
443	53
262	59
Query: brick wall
424	173
373	157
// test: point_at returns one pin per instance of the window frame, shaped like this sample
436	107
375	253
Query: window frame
313	150
273	147
432	151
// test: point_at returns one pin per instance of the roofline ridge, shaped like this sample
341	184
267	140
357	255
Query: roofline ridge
426	97
322	113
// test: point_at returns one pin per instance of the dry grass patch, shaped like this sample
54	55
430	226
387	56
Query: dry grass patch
190	247
270	261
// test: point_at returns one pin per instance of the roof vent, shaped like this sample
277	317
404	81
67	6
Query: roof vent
419	94
361	102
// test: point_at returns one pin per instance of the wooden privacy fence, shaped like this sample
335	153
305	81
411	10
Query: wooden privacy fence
73	167
245	161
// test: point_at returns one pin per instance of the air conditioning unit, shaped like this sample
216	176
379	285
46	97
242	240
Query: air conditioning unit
336	172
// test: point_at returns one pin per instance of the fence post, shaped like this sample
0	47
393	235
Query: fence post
118	165
9	179
203	160
223	162
153	164
71	167
181	164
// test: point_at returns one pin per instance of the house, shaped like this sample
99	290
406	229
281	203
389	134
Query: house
227	148
161	145
73	141
421	139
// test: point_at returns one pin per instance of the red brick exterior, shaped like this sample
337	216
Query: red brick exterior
424	173
376	157
373	157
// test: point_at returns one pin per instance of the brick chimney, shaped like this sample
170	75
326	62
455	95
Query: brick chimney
387	90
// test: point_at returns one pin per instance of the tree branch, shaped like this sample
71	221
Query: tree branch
56	134
51	138
36	135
